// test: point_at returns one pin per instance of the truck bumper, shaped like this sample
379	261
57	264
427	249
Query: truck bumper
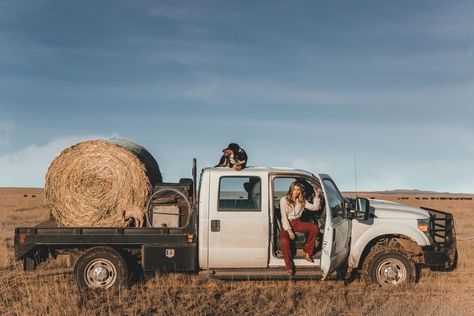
440	258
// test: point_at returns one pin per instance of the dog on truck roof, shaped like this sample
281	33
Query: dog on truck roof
233	157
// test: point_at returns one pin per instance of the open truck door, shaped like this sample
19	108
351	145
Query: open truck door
337	229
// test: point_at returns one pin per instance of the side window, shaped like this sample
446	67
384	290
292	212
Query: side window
239	194
335	199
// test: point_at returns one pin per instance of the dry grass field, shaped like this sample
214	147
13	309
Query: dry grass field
437	293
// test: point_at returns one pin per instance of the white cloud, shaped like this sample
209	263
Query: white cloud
5	128
223	91
430	101
27	167
379	171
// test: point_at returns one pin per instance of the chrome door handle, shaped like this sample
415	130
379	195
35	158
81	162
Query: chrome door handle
215	225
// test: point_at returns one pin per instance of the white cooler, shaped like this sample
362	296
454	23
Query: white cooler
166	216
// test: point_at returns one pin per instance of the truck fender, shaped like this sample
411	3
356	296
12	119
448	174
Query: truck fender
358	246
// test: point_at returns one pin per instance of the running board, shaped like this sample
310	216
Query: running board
262	274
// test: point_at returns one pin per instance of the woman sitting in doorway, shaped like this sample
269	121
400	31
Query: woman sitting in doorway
292	206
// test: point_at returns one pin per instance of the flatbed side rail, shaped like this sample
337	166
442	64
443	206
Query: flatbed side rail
98	231
29	238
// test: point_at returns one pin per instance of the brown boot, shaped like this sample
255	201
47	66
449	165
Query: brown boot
308	258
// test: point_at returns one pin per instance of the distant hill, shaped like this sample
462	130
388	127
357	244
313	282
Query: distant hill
410	192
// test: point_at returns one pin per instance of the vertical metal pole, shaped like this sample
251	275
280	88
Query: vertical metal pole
194	181
355	174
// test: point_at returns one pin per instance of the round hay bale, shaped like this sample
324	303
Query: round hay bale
151	166
91	183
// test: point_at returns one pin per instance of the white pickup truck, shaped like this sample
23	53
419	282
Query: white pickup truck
232	232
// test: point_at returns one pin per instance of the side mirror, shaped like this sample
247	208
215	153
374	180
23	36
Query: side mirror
358	208
362	208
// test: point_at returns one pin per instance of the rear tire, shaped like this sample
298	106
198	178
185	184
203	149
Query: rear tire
389	267
101	268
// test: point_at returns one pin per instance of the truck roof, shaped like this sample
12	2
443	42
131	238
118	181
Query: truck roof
258	170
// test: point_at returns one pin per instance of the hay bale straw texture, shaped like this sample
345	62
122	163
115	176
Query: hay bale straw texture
91	183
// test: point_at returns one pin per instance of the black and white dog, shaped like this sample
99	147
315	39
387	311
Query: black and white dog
234	157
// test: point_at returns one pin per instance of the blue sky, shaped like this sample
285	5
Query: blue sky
306	84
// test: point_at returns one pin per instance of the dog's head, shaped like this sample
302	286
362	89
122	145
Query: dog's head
232	148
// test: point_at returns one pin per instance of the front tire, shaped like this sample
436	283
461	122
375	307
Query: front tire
101	268
389	267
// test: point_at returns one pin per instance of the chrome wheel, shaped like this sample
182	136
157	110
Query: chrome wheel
391	271
100	273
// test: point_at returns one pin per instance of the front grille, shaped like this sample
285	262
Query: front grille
441	228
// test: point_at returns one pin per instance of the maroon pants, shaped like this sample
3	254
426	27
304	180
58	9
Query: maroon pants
298	226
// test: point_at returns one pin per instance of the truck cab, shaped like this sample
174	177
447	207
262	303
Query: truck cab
239	220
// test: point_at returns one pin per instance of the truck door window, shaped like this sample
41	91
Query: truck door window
237	194
334	198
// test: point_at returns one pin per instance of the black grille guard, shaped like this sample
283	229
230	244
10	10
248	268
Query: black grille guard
442	229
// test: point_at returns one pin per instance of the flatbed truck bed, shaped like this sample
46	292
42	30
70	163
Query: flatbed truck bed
35	244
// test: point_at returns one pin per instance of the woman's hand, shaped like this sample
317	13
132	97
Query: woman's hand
317	192
292	234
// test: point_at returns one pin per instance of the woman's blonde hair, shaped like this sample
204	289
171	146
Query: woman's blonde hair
289	195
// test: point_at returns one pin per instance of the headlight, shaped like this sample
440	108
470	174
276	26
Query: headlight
424	225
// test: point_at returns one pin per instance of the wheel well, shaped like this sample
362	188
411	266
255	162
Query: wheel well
408	245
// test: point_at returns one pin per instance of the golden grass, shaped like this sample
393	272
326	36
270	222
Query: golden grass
437	293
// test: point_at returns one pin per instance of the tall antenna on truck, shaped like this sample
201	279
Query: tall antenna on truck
355	174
